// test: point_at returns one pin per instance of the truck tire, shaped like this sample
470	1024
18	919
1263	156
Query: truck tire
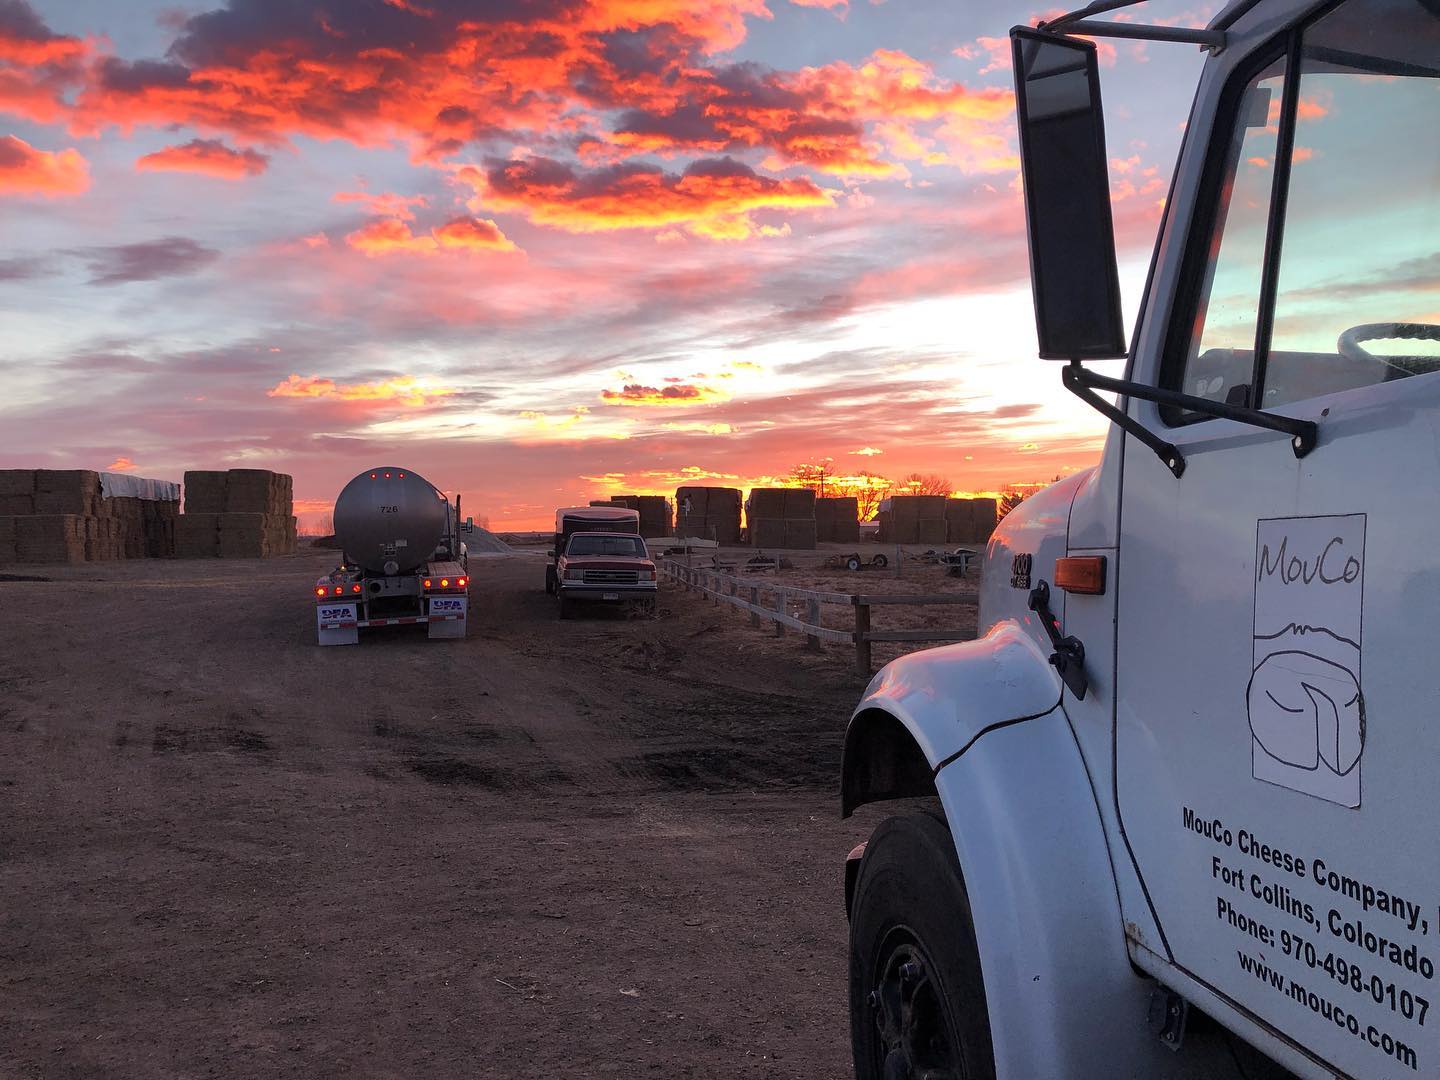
917	1001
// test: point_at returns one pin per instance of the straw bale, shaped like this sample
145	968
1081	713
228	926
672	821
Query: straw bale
767	503
799	504
17	481
930	531
78	481
767	532
800	535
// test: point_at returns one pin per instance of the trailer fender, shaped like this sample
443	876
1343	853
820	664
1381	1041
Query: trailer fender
922	710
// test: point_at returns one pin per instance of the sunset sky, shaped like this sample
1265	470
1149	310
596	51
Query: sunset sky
539	251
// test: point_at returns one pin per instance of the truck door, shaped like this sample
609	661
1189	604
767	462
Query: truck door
1278	695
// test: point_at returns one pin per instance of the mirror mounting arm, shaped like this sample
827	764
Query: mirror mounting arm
1083	383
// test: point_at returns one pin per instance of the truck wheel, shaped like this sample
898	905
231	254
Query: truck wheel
917	1002
567	608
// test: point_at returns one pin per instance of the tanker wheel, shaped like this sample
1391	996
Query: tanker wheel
567	608
879	561
917	1002
853	563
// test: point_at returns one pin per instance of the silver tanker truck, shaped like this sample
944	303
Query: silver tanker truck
403	561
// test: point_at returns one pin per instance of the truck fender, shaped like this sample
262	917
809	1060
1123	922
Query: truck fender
922	710
982	725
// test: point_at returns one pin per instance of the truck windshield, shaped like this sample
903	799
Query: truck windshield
624	546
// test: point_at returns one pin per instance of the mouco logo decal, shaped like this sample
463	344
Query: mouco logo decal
1305	703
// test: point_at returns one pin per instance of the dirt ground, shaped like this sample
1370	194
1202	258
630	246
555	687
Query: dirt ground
606	847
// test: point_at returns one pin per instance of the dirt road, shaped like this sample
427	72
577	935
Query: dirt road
606	847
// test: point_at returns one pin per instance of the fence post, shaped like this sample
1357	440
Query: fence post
862	639
812	616
755	599
780	608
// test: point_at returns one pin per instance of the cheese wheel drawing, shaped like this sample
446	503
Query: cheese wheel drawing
1307	711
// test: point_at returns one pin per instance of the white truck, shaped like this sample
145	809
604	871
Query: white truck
1181	797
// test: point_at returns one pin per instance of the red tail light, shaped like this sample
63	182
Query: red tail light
387	476
428	583
338	590
355	587
463	582
372	476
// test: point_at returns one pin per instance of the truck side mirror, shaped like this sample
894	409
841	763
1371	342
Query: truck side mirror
1067	197
469	525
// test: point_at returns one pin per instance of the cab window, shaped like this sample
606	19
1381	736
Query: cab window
1323	269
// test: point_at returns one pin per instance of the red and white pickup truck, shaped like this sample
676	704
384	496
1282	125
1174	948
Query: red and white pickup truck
607	567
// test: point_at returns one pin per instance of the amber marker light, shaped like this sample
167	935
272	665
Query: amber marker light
320	591
463	582
1081	574
428	583
444	582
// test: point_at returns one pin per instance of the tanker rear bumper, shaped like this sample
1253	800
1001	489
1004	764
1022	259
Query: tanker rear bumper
340	623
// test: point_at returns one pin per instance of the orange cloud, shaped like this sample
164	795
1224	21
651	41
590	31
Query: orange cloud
389	236
712	198
472	233
36	66
671	394
120	464
900	95
209	157
27	171
385	236
385	203
401	390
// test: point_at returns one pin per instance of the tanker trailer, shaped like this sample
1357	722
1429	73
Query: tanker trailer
402	562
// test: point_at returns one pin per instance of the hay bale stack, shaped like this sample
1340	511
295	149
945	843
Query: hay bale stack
654	511
838	520
711	513
68	515
237	514
781	518
915	519
969	521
